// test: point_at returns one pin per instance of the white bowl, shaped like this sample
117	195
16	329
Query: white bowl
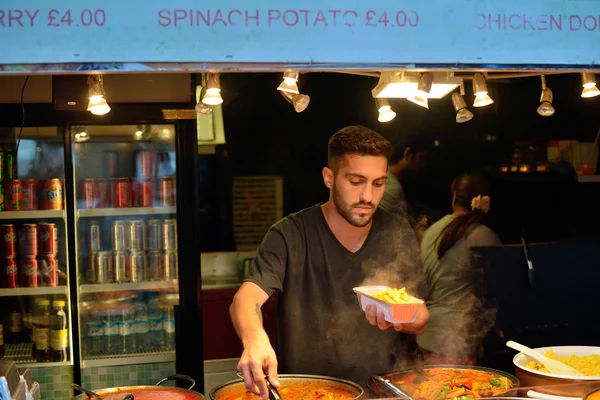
521	360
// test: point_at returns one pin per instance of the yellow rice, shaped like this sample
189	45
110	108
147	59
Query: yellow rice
587	365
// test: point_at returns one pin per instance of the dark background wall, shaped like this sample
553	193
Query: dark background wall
265	136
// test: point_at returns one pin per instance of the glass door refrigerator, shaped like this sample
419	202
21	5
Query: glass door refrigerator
35	301
124	179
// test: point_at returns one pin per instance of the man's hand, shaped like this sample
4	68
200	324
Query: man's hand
258	360
377	319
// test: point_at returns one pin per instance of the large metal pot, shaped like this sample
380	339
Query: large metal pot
236	388
558	385
379	387
149	392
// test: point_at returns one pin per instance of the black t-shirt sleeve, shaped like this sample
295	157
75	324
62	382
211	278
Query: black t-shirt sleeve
268	268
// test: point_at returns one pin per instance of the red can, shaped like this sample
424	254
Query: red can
13	195
28	245
112	192
102	193
90	193
135	192
10	272
48	270
168	191
47	239
146	196
111	163
29	272
30	192
53	194
145	163
123	192
8	244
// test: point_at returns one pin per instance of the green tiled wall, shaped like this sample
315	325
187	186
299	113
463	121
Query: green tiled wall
126	375
55	382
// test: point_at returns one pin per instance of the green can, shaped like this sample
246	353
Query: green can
9	166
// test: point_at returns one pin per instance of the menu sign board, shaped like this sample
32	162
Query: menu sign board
531	32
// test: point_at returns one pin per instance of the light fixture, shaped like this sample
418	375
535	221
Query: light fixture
545	109
201	107
419	100
290	82
386	114
299	101
97	104
81	136
213	91
460	106
405	84
424	87
482	98
590	89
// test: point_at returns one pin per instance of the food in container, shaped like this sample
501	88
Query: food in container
398	307
556	384
588	365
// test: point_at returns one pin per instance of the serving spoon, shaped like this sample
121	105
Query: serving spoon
555	367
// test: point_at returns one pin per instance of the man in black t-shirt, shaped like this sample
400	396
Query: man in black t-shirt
314	258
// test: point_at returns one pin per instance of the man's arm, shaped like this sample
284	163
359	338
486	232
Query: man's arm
258	357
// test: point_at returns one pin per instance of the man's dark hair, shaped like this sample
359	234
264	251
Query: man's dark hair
417	142
357	139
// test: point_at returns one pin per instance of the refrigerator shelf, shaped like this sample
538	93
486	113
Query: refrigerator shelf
34	291
123	212
35	214
137	286
21	354
128	359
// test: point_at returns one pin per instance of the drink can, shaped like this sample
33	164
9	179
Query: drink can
94	239
103	193
9	166
30	190
111	164
112	192
146	195
155	270
28	244
137	233
8	244
135	192
123	192
100	267
120	235
10	272
47	239
153	234
2	205
29	272
48	270
145	163
121	265
2	162
53	194
168	192
90	193
170	264
13	195
169	234
137	262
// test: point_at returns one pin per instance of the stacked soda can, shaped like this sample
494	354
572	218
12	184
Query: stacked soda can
29	256
29	194
139	251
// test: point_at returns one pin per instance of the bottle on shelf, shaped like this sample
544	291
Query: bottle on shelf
42	331
27	321
1	339
142	326
95	331
35	314
59	332
13	323
155	323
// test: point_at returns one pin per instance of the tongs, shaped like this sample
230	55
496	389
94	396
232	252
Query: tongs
273	392
391	387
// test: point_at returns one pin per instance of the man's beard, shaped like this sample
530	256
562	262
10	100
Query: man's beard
346	210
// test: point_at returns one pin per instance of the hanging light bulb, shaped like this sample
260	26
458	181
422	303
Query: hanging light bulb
545	109
460	106
299	101
201	107
290	82
97	104
213	90
419	100
589	85
423	89
482	98
386	114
